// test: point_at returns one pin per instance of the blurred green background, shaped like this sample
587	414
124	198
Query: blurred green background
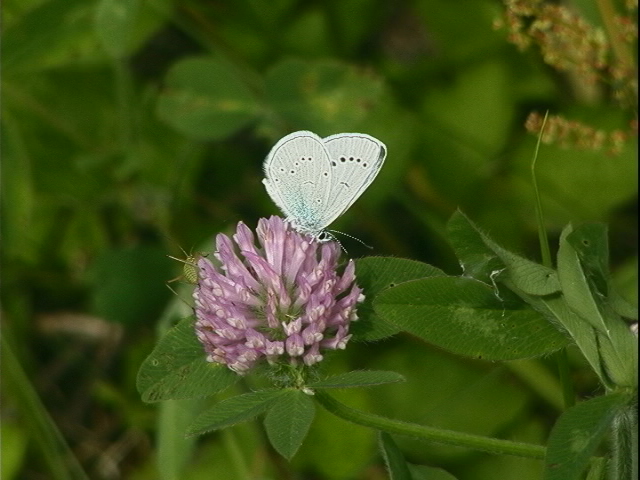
132	129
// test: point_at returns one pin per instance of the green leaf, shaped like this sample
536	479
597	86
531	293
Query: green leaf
358	378
393	458
619	351
466	317
597	469
52	33
583	334
230	411
374	275
591	244
177	368
288	422
624	289
576	435
114	24
321	96
621	306
204	98
575	285
422	472
476	258
530	277
485	263
612	355
583	267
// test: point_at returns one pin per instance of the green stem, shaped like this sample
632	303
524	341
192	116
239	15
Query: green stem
58	459
561	357
624	462
175	450
542	231
568	393
449	437
236	456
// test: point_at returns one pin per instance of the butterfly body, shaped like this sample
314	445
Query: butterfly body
314	180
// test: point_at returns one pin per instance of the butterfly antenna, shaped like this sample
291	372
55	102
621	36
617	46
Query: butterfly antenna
338	242
350	236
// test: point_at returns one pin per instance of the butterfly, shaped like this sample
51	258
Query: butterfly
314	180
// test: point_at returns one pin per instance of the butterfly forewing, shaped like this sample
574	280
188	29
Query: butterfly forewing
298	179
356	160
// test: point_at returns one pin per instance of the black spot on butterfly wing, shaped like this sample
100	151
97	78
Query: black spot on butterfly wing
293	169
356	160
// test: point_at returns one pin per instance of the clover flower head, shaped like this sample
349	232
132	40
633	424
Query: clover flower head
280	299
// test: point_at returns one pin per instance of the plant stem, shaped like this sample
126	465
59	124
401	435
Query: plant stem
542	231
449	437
568	394
624	462
236	456
561	357
59	460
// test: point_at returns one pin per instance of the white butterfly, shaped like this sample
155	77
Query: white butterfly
314	180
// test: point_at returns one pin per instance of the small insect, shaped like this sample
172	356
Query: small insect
314	180
189	270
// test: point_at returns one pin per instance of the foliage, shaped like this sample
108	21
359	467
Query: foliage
130	129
